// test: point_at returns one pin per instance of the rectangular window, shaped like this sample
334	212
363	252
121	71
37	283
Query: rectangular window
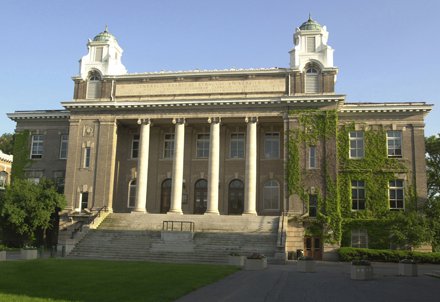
202	145
237	145
356	144
84	200
396	195
98	54
357	195
311	44
87	153
3	179
359	238
313	205
168	146
394	143
312	157
63	146
135	146
272	145
37	146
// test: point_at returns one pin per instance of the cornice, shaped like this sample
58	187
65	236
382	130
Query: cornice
39	114
386	107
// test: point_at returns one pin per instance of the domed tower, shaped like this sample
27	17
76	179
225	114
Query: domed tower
312	58
103	57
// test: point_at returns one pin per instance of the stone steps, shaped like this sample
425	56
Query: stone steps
137	237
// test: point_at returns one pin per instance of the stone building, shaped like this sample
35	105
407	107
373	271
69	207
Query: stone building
5	169
259	142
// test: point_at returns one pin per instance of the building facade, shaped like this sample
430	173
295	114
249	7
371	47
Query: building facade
269	141
5	169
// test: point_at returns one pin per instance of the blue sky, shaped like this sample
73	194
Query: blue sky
386	50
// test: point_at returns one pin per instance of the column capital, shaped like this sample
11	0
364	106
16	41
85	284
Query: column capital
251	119
179	121
143	121
214	120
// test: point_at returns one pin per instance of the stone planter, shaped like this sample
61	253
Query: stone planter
236	260
28	254
306	266
408	269
255	264
361	272
2	255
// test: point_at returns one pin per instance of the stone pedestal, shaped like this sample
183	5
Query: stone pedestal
408	269
361	272
28	254
2	255
255	264
236	260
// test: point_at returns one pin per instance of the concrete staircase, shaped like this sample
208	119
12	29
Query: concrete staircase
138	237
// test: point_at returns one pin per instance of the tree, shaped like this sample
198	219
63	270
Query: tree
432	211
410	229
433	164
6	143
26	209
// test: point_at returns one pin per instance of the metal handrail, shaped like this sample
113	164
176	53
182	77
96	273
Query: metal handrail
166	225
91	220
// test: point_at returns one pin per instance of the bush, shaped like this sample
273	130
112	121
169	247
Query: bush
349	254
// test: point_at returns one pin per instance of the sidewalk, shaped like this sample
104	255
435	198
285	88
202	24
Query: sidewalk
331	282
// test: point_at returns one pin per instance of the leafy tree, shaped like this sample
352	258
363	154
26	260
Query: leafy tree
433	164
6	143
27	209
410	229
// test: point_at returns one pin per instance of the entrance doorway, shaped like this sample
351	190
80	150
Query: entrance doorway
313	247
236	197
84	200
165	196
200	196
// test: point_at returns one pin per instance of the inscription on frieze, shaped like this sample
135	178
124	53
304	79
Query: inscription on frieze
207	87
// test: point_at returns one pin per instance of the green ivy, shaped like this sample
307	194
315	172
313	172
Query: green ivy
21	154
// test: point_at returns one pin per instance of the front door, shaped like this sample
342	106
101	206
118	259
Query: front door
236	197
200	196
313	247
165	196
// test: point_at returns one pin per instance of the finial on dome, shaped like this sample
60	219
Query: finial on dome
106	28
310	17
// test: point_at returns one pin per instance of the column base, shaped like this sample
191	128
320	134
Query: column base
212	213
175	212
249	214
139	211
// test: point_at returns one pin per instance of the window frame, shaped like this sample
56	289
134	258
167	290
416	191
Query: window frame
308	46
3	179
358	186
132	195
394	189
358	234
202	145
64	146
37	146
359	150
313	158
87	157
272	141
239	141
313	206
312	73
394	140
135	140
168	145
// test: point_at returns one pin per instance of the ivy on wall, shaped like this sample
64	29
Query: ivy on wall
335	216
21	154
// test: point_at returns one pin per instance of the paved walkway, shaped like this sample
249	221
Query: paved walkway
331	282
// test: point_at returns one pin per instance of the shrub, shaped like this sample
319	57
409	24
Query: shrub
349	254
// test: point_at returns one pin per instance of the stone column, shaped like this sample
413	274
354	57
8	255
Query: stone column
177	175
142	167
213	166
250	183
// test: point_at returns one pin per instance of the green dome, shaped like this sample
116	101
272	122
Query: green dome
310	25
104	36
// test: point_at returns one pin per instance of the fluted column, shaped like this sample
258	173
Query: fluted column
177	175
142	168
250	184
213	166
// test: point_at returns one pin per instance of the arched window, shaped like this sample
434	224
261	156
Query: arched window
94	85
132	194
3	179
165	196
236	197
200	196
271	195
312	79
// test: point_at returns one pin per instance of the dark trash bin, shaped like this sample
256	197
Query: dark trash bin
299	253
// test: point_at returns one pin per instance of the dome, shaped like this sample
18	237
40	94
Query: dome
104	36
310	25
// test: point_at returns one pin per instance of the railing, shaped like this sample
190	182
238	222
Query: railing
90	220
282	232
170	225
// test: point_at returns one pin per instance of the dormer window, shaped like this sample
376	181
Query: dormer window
94	85
98	54
312	80
311	44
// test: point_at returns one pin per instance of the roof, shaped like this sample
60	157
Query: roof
104	36
310	24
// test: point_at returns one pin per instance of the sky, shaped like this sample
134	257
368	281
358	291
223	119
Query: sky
386	50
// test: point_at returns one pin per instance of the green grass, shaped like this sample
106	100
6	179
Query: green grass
88	280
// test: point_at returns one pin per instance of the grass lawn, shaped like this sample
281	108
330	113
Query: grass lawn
94	280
